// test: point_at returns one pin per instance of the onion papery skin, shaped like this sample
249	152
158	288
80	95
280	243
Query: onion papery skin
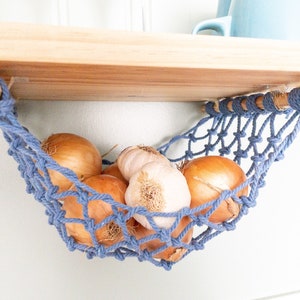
114	170
133	158
98	209
207	177
75	153
171	253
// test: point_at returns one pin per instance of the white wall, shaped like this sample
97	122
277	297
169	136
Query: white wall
259	259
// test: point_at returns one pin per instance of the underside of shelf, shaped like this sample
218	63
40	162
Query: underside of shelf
63	63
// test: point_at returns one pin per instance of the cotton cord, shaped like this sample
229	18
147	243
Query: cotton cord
253	137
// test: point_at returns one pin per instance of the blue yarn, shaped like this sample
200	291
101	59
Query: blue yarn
251	104
210	109
223	106
293	99
268	102
237	105
251	137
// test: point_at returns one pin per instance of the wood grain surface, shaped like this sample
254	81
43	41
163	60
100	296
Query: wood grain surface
64	63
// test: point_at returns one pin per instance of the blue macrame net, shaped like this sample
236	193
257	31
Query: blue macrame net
254	138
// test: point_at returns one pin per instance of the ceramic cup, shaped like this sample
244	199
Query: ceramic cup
270	19
223	8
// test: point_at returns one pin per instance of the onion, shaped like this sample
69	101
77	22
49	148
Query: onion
171	253
207	177
113	170
159	188
75	153
98	209
133	158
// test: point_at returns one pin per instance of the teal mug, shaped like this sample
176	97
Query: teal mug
269	19
223	8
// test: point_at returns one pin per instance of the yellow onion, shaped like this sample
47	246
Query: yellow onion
75	153
208	177
113	170
98	209
171	253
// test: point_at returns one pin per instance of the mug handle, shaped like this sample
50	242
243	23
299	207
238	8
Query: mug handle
220	25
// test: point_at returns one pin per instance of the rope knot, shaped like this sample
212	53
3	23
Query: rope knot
241	153
119	255
255	139
209	147
189	154
192	137
222	133
273	140
247	201
164	236
240	134
224	150
101	251
229	226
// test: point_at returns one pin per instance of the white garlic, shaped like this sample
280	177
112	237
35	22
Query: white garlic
133	158
159	188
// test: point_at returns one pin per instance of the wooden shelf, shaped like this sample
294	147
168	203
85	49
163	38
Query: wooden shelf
65	63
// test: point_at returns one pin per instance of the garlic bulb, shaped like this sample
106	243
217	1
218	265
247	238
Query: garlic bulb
132	158
160	188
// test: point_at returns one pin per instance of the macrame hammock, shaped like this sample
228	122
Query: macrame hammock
252	130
